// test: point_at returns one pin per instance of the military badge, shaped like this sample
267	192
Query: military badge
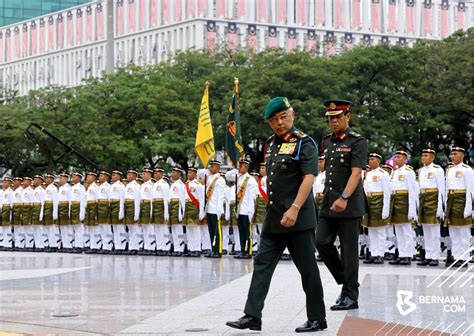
401	177
376	178
287	148
458	174
430	176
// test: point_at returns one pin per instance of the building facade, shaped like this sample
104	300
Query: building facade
65	47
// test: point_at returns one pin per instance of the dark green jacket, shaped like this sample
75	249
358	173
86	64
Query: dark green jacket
287	160
342	154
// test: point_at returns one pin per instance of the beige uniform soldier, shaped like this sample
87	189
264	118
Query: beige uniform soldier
92	231
117	211
6	232
432	199
377	189
50	214
26	211
132	211
177	203
160	194
459	185
103	212
146	212
261	203
78	211
193	212
318	185
64	211
17	206
228	221
37	213
403	208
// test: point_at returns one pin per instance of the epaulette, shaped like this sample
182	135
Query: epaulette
327	136
270	138
436	166
408	168
299	134
465	165
354	134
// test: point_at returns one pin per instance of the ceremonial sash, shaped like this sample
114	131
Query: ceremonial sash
211	189
191	196
260	189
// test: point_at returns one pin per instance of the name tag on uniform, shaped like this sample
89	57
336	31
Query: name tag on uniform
287	148
375	178
458	174
401	177
430	176
343	149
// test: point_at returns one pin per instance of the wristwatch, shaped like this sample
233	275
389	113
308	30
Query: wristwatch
345	196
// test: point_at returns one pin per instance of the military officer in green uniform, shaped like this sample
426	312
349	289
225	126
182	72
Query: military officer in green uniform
290	218
343	203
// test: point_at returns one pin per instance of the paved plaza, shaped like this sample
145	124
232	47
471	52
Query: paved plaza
68	294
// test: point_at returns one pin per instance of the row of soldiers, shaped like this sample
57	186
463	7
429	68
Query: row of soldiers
107	213
430	209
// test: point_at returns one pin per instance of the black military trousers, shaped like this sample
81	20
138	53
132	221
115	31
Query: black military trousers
344	268
301	247
243	223
214	232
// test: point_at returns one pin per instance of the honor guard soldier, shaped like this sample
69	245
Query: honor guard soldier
377	190
64	219
403	208
78	211
132	211
318	186
6	224
193	212
146	212
103	213
290	218
37	213
161	194
26	210
343	203
50	214
177	203
215	207
117	212
246	193
19	232
261	203
92	238
431	204
388	168
459	184
227	220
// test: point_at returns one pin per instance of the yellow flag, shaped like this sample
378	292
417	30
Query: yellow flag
204	137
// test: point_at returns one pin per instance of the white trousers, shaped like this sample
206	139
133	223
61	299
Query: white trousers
378	241
431	236
205	237
120	236
391	236
2	244
149	237
178	241
95	237
19	236
29	236
106	236
405	240
7	236
236	238
135	237
256	228
193	233
54	237
460	241
162	232
67	236
39	236
225	237
78	235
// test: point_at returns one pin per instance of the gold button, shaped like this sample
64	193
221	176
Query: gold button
330	173
330	181
270	183
332	159
283	160
278	146
274	155
271	192
271	202
273	163
271	173
330	166
332	151
330	188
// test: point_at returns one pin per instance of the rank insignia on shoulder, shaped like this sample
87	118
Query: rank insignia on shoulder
299	134
287	148
293	140
354	134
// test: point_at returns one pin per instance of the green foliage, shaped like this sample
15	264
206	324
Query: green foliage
403	97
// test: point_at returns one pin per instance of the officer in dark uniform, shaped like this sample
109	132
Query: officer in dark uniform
343	203
290	218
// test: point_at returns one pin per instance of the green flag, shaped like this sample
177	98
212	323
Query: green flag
233	136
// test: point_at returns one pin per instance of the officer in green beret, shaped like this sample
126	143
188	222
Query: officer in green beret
290	218
343	203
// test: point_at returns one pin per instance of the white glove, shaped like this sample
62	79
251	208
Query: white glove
180	217
412	217
440	214
55	217
385	214
121	217
251	213
467	214
219	215
227	216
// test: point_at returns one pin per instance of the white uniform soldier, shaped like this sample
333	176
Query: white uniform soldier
37	214
161	198
377	190
64	212
132	211
6	232
177	204
260	206
246	193
228	221
205	238
193	212
460	189
78	211
389	255
27	195
318	185
103	212
432	199
92	237
117	211
403	208
50	214
19	232
146	212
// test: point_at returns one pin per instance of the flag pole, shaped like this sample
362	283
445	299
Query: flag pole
206	86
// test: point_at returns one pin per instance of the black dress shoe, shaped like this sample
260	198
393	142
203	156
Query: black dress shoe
460	263
246	322
133	252
369	261
224	252
177	254
310	326
424	262
194	254
389	256
434	262
318	258
378	260
91	251
162	253
214	255
346	303
233	253
395	261
405	261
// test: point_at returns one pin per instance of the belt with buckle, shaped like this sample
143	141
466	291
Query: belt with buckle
400	192
428	190
457	191
375	193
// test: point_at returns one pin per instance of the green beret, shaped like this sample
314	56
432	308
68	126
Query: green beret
276	105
